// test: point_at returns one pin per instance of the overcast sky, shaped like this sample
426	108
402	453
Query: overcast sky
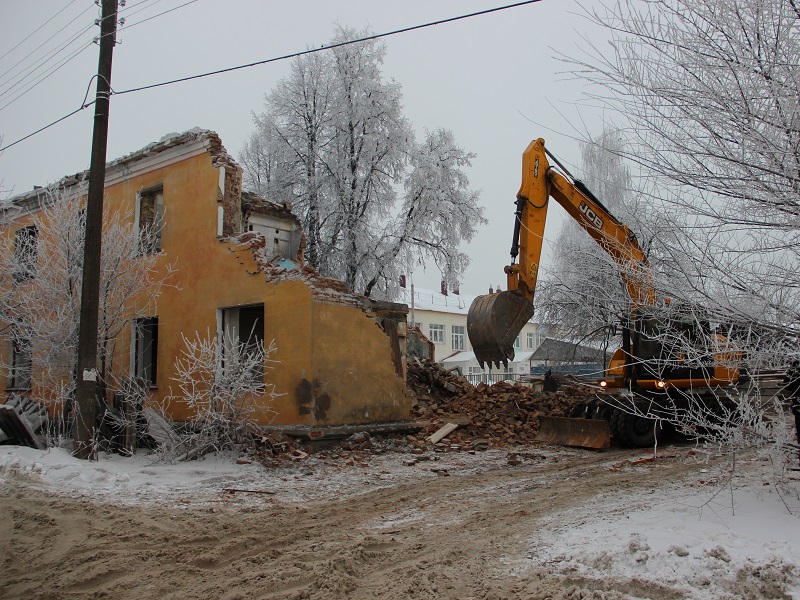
493	80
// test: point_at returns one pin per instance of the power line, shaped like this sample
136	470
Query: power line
35	31
279	58
128	26
38	64
328	47
41	129
45	76
49	57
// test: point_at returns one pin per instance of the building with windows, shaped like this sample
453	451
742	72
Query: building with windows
236	272
442	317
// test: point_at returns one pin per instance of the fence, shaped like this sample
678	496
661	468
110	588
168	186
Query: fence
490	378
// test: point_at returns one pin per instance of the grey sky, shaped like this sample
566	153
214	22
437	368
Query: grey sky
492	80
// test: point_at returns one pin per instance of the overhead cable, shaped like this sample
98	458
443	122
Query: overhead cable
279	58
326	47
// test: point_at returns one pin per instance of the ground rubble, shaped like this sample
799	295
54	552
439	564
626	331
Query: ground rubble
503	416
500	415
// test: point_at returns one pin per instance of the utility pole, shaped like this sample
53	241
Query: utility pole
86	379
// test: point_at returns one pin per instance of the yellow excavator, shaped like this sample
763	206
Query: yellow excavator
645	370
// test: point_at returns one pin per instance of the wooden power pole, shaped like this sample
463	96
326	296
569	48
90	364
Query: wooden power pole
86	384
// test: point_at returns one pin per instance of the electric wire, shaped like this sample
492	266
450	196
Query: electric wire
35	31
154	2
279	58
328	47
79	51
47	75
40	46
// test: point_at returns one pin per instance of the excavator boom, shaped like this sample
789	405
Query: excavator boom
495	320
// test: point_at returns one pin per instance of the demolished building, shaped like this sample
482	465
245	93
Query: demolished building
339	357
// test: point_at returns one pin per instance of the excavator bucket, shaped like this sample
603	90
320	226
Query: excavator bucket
580	433
494	322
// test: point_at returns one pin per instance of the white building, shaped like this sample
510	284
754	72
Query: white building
443	318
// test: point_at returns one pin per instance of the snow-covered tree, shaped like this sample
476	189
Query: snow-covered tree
707	94
347	155
40	300
222	383
708	97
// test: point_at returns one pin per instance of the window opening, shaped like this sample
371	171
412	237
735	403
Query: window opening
244	325
21	360
151	220
146	365
25	253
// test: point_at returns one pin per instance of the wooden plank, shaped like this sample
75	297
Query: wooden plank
35	413
17	426
443	432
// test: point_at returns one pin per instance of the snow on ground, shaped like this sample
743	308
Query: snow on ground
144	479
681	537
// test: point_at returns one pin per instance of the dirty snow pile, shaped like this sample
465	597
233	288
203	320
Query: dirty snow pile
742	538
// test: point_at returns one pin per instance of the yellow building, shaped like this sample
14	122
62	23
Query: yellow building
238	260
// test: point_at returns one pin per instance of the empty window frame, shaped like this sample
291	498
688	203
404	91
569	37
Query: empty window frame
146	350
531	340
21	360
244	326
150	218
436	333
458	336
25	253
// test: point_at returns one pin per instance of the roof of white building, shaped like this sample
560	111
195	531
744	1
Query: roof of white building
425	299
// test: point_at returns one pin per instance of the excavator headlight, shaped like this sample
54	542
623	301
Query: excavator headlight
603	384
661	384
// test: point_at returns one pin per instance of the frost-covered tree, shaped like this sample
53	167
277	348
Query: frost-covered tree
222	383
40	296
708	96
348	155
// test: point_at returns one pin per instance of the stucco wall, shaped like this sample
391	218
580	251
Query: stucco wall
333	362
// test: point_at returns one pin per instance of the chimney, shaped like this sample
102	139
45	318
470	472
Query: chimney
456	291
444	288
402	281
491	290
498	290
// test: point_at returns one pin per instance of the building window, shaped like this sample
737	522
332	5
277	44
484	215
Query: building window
531	340
146	351
244	327
458	337
436	333
25	253
21	360
517	343
150	209
475	370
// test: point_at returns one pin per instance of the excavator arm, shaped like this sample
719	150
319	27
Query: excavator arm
495	320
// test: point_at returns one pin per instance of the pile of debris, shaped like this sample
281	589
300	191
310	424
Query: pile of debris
503	414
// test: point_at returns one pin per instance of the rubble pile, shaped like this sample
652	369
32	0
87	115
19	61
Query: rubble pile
502	414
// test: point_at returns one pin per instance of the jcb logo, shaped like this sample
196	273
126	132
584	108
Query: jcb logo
590	214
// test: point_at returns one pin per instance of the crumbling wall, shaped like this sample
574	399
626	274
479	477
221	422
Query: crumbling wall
230	188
